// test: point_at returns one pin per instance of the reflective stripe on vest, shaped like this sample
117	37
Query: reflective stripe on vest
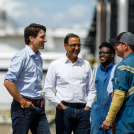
94	75
94	72
130	91
130	69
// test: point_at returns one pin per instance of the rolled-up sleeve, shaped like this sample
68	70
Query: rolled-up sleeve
15	68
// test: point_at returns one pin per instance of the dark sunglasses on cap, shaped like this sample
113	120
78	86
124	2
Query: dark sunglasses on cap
104	52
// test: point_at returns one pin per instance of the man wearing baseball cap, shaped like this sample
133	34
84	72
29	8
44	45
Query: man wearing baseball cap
122	106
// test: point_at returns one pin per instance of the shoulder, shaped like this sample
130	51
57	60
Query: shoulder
57	61
20	55
121	69
122	63
21	52
85	62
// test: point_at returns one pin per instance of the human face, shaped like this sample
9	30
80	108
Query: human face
105	58
119	47
38	42
72	53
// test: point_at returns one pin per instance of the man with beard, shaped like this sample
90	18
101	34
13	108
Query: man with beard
102	75
73	81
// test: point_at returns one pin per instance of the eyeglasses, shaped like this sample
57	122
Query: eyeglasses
104	52
74	45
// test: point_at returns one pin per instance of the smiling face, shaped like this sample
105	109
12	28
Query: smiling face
106	58
38	42
120	49
72	52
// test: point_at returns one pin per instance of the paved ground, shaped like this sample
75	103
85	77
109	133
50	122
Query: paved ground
6	119
6	129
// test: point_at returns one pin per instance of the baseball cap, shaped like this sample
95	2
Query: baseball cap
124	37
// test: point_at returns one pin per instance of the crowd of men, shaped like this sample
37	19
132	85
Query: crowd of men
86	101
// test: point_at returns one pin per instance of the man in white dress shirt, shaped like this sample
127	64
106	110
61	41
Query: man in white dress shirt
73	81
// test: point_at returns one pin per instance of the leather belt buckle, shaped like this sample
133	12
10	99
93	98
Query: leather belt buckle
38	102
75	105
34	102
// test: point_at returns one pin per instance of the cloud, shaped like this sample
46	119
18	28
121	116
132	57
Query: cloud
77	10
75	14
23	14
19	12
18	9
13	8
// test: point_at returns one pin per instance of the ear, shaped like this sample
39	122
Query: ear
31	38
65	46
126	46
112	55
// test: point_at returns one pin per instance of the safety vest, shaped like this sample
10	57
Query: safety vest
130	69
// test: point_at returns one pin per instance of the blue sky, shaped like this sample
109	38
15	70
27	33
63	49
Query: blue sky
52	14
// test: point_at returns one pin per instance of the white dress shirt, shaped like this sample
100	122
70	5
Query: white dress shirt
110	84
73	82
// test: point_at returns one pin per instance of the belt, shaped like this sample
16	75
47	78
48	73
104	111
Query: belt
34	102
75	105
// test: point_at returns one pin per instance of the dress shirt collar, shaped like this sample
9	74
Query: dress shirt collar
31	52
107	67
67	60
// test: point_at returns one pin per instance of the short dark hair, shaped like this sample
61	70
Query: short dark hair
109	45
32	30
132	47
70	35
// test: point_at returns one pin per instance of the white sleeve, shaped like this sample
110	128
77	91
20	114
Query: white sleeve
49	86
110	84
91	89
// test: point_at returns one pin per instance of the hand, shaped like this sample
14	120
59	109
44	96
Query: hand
111	95
61	106
106	124
87	108
27	104
42	102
